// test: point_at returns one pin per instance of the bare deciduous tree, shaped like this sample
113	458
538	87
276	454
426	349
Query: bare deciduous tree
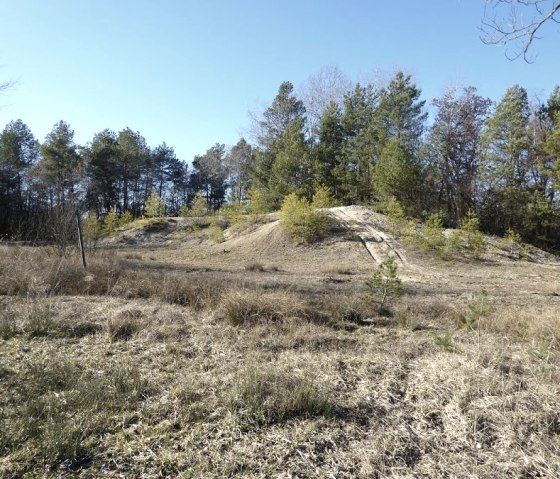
518	23
329	84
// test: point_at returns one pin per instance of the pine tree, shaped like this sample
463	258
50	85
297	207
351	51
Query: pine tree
154	206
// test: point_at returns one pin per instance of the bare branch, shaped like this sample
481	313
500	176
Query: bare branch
512	27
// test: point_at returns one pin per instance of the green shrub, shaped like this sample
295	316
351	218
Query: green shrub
154	206
126	218
433	234
111	222
511	242
215	232
398	224
479	307
473	239
301	221
384	284
323	198
91	229
198	208
232	212
258	202
445	342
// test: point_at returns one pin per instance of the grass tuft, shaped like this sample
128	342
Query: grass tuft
246	307
268	397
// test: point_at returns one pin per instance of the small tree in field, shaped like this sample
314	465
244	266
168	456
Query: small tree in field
301	220
258	202
511	242
434	237
199	207
384	284
92	230
111	222
126	217
323	198
154	207
470	233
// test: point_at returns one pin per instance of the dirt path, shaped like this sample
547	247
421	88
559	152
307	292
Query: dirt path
367	226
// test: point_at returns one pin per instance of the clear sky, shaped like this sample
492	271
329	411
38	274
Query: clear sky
187	72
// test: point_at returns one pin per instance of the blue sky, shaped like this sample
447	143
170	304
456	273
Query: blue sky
187	72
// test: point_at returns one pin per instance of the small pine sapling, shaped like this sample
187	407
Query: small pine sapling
511	242
384	284
478	308
323	198
111	222
396	219
154	206
126	217
470	232
434	237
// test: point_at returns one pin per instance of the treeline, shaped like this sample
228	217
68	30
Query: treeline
367	144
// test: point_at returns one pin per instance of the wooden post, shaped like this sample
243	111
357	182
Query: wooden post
80	239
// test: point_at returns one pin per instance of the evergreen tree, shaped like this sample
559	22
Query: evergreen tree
154	207
361	146
210	176
238	164
282	163
396	174
291	172
133	157
401	112
507	140
18	153
101	171
60	166
507	155
328	165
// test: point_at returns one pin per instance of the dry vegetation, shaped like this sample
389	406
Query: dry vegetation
175	367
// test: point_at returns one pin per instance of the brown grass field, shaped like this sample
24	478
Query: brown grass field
256	357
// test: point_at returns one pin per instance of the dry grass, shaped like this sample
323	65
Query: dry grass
255	267
337	268
267	396
528	324
246	307
128	372
31	272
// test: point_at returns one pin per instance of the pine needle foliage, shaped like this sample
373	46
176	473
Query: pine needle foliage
384	284
301	221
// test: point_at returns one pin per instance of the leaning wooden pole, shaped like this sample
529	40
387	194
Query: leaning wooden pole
81	239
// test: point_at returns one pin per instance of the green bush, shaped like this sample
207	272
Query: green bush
126	218
111	222
473	239
91	229
323	198
384	284
154	206
434	237
258	202
398	224
198	208
301	221
215	232
511	242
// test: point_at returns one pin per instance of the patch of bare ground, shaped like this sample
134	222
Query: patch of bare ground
198	359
